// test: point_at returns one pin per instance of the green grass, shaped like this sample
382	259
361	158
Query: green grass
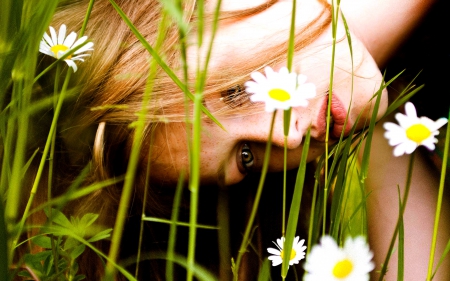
22	25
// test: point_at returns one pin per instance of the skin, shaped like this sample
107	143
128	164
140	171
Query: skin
221	151
376	35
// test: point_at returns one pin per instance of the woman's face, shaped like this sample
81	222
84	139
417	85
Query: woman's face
226	154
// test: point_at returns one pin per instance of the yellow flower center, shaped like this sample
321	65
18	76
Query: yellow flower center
57	48
293	254
418	133
279	95
343	268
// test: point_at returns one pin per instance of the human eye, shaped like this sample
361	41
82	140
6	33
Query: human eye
246	159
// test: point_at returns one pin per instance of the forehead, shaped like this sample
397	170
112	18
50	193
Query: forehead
239	40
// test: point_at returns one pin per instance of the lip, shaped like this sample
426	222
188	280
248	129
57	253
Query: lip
338	113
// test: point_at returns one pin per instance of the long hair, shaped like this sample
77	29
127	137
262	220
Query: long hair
95	129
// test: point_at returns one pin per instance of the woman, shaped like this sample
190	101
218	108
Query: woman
251	36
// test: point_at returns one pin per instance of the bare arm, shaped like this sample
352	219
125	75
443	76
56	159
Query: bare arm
386	173
382	25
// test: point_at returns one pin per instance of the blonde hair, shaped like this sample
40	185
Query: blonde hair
95	127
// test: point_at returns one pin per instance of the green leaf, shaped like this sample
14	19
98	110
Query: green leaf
25	274
77	251
34	262
42	241
59	218
87	220
295	205
101	235
264	273
70	243
79	277
3	246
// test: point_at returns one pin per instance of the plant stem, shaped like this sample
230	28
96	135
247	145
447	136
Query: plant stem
44	157
251	219
439	204
402	211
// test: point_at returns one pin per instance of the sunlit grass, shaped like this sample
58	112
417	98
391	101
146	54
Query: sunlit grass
339	195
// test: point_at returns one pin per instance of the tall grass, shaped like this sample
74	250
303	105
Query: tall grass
339	175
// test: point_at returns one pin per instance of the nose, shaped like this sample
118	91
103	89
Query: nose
291	132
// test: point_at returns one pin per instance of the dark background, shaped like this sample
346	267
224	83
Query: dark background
427	52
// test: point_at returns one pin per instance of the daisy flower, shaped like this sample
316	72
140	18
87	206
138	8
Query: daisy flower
297	252
328	262
57	45
412	131
280	90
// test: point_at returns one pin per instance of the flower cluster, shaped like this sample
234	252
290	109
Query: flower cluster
412	131
57	45
280	90
327	261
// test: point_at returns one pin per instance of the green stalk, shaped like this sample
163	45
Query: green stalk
439	204
86	18
295	207
196	132
312	218
130	175
144	204
245	242
287	113
401	242
334	19
194	184
283	219
43	158
402	211
50	168
194	179
173	228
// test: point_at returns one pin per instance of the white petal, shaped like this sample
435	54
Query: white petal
258	77
399	150
70	39
48	40
62	34
410	146
440	122
280	242
274	251
54	37
45	48
70	63
429	143
275	260
410	110
270	73
86	47
391	126
405	121
396	139
80	41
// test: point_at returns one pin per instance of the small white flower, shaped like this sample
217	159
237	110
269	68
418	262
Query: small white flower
328	262
412	131
58	45
280	90
297	252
